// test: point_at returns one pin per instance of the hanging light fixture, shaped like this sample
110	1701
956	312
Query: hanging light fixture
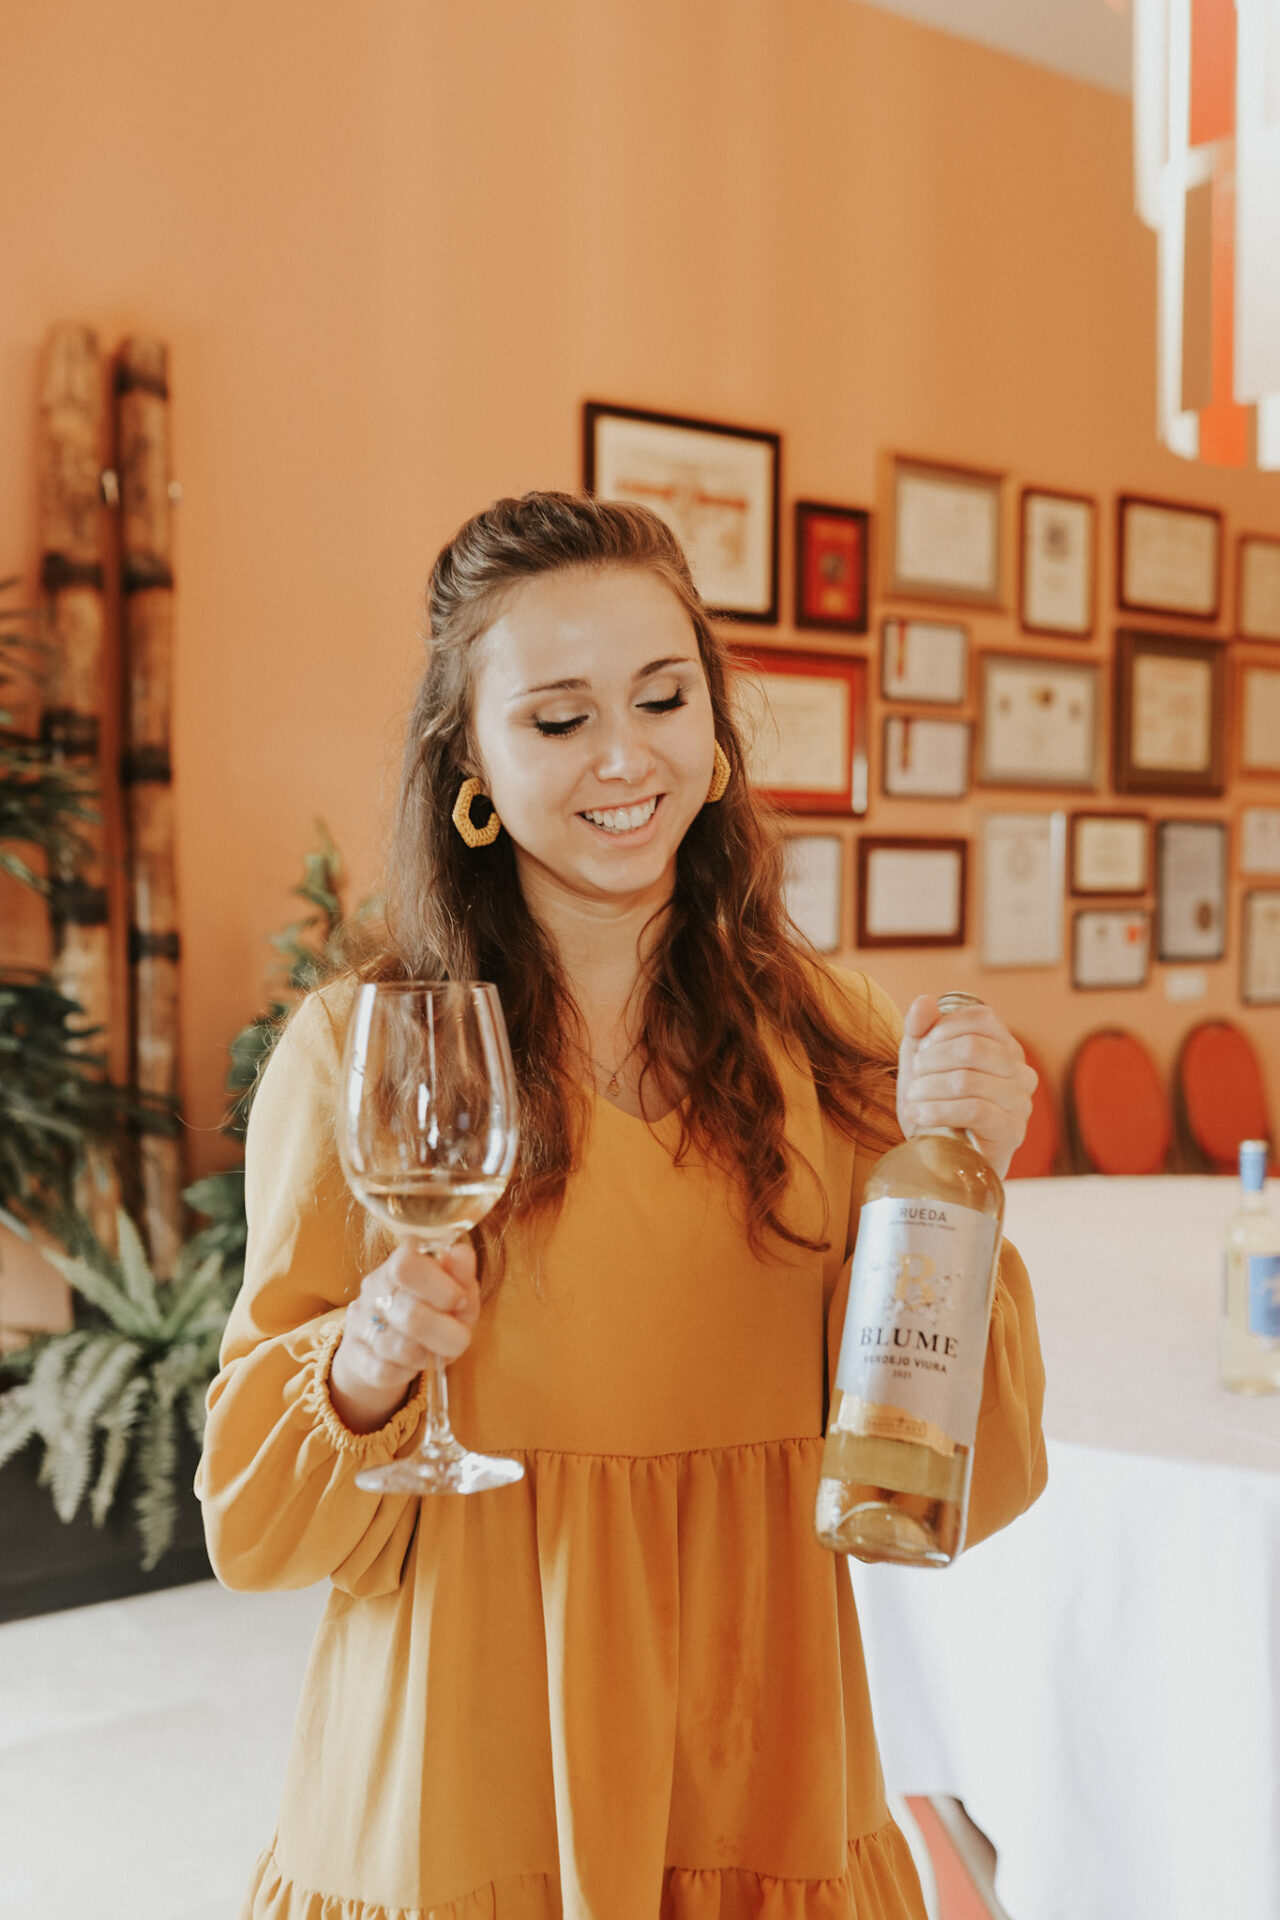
1206	126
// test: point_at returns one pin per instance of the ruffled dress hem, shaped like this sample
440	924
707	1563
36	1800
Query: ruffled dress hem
879	1883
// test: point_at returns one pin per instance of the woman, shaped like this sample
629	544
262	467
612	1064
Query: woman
630	1686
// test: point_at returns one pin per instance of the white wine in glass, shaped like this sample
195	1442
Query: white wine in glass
427	1139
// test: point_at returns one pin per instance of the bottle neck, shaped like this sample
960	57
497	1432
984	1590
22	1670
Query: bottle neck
947	1133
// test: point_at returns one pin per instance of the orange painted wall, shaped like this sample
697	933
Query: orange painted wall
393	247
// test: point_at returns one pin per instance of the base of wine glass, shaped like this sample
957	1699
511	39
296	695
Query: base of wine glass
442	1469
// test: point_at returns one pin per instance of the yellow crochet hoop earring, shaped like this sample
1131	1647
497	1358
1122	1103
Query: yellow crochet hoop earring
720	776
473	835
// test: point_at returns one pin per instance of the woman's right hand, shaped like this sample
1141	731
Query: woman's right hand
412	1309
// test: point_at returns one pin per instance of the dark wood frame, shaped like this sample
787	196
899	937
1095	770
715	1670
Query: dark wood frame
869	844
1076	499
807	514
1130	644
1242	668
931	592
924	719
1126	500
594	410
1079	892
1242	541
1246	999
919	699
824	830
822	666
1044	662
1108	986
1191	959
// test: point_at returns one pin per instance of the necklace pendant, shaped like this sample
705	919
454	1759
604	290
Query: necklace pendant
614	1087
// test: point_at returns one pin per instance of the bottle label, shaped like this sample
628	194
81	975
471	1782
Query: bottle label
915	1330
1264	1295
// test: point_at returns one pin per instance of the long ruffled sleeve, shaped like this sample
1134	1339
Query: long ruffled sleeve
1009	1465
277	1474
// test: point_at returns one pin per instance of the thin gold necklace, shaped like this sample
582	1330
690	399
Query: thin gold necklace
613	1085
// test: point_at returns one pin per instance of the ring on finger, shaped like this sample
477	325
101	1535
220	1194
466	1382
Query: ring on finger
381	1318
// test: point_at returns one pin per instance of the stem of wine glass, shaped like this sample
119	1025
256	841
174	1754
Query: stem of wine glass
436	1431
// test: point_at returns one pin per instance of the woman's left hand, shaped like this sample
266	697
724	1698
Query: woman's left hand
964	1070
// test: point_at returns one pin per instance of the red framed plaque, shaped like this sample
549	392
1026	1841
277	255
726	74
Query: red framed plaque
832	555
803	721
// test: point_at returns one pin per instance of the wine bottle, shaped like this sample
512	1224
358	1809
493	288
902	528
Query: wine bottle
1249	1352
898	1458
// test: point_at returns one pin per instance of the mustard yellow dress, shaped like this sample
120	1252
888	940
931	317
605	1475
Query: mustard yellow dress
631	1686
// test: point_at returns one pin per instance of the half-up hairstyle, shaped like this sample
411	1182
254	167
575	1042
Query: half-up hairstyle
726	969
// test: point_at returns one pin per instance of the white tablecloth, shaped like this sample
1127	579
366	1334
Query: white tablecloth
1100	1684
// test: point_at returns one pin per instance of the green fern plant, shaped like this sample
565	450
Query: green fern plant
118	1386
44	804
316	947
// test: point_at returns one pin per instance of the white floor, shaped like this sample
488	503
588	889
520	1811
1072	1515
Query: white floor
142	1747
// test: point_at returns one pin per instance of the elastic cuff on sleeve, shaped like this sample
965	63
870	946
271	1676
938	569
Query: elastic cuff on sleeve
382	1441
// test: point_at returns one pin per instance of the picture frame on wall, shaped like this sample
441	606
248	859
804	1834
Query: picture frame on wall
1258	586
911	892
1260	948
1168	558
1039	722
1259	752
716	486
1110	947
946	538
1110	853
1260	840
1023	857
925	758
926	661
813	887
1170	714
803	718
1191	889
833	552
1056	574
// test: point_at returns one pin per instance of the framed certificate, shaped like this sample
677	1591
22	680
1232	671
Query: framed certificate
715	485
1260	948
1260	840
1110	853
926	759
1258	587
1259	719
1191	883
1170	725
803	719
1056	577
813	887
1039	723
832	567
1023	859
946	533
1110	947
1169	558
911	893
924	660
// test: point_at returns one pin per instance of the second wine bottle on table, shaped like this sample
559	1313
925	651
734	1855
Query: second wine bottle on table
898	1459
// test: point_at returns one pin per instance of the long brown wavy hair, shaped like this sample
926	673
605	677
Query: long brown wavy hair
726	968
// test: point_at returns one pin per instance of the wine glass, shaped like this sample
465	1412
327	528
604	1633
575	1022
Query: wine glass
427	1140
